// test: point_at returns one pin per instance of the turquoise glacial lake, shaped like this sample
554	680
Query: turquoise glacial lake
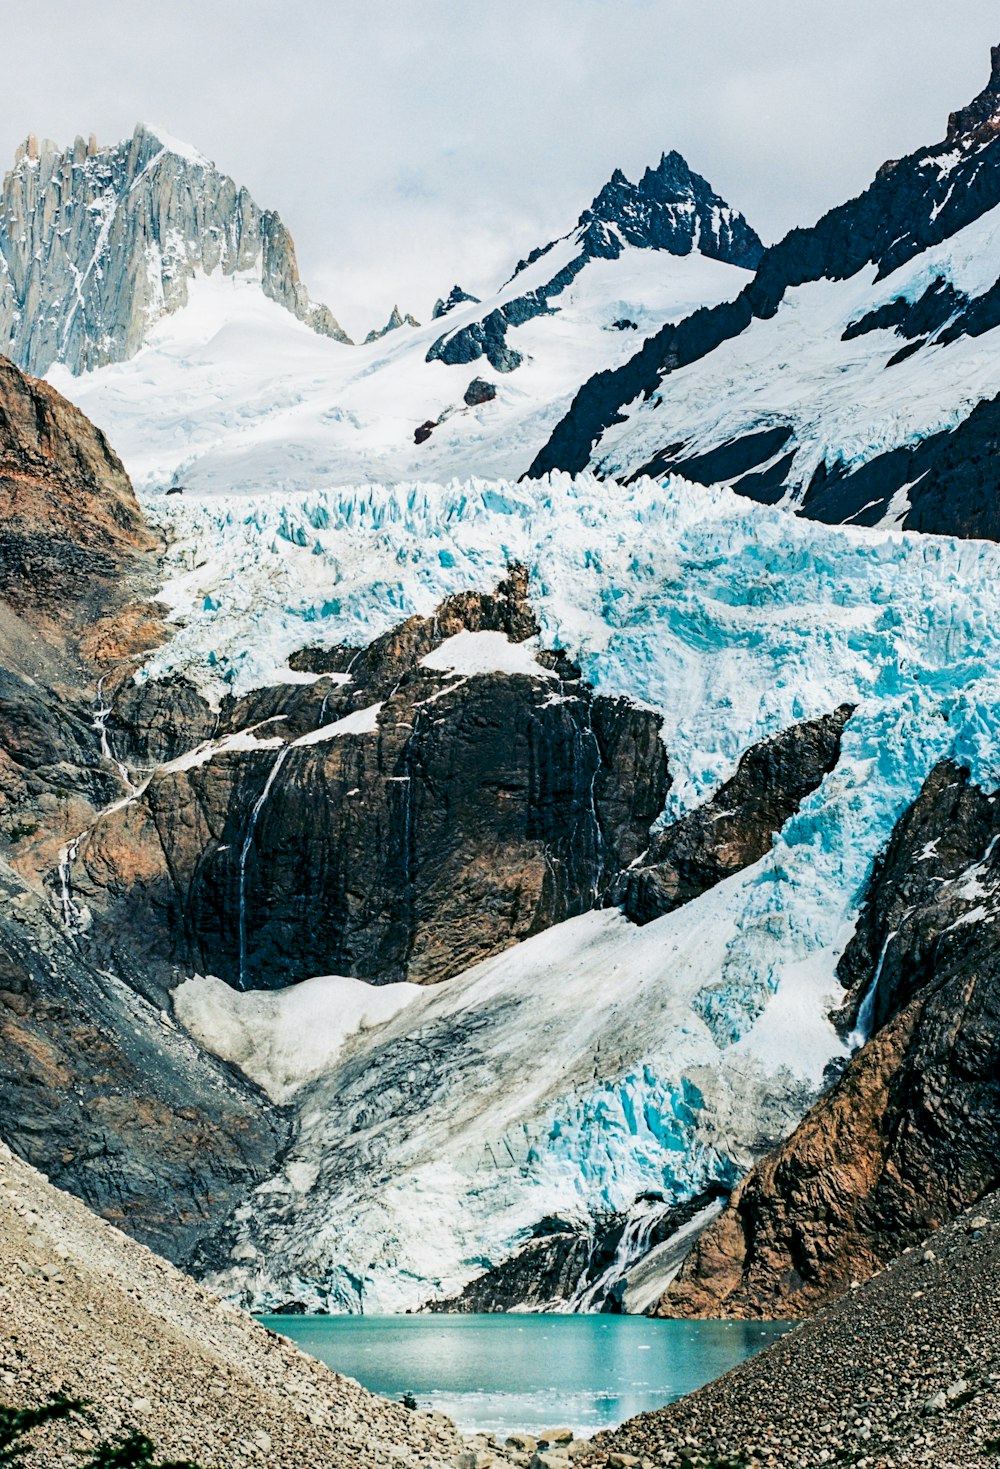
497	1374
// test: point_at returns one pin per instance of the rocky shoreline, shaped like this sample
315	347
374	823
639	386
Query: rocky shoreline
90	1313
904	1370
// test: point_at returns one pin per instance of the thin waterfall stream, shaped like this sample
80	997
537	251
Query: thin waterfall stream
258	806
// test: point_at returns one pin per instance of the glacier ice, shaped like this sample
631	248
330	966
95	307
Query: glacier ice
597	1061
233	394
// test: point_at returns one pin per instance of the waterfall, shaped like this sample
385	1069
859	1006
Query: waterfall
642	1219
101	711
72	916
244	853
866	1010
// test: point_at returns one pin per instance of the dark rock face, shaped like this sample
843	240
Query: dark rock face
96	1087
564	1261
455	297
469	812
733	458
671	208
979	122
912	204
954	475
107	1097
657	213
547	1268
906	1139
737	826
479	391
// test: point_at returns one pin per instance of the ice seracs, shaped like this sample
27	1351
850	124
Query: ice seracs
597	1062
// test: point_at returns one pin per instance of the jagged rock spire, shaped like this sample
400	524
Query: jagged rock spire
980	121
96	244
671	208
396	320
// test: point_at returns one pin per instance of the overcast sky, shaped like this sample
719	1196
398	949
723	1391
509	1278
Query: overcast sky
412	143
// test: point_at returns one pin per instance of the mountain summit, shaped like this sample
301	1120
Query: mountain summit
670	208
96	244
980	121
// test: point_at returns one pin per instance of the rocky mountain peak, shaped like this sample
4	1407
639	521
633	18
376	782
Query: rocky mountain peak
455	297
671	208
97	243
980	121
396	320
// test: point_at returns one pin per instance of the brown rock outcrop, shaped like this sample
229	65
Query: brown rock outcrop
69	522
906	1138
465	813
737	826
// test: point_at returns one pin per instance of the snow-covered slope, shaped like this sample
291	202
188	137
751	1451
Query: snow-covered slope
97	244
857	378
234	394
598	1061
231	394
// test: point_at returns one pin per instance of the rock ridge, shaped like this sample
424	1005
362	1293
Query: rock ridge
96	244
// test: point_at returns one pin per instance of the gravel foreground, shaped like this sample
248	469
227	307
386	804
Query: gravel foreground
88	1312
904	1370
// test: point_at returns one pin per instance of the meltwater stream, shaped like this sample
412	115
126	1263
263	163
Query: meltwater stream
498	1374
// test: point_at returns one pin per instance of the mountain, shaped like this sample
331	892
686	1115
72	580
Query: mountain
98	244
670	209
232	394
97	1086
854	379
396	320
455	893
559	892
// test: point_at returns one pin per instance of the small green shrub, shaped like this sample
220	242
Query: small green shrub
135	1451
22	829
16	1423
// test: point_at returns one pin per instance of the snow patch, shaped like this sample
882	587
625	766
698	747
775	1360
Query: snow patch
486	652
362	721
283	1039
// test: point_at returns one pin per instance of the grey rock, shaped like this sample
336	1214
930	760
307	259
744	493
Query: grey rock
97	244
396	320
455	297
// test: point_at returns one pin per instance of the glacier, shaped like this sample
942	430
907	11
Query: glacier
233	395
595	1062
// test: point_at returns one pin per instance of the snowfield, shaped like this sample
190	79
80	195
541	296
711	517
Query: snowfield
596	1061
234	395
842	400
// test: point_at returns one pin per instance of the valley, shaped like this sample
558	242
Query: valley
498	824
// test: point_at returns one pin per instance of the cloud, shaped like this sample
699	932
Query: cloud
412	143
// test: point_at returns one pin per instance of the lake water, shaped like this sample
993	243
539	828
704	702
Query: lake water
500	1373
